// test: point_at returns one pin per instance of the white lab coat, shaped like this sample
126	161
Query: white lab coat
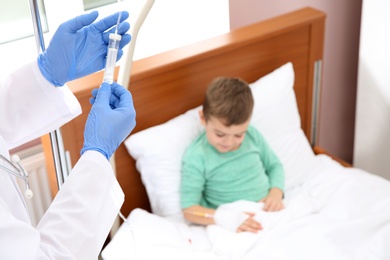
78	221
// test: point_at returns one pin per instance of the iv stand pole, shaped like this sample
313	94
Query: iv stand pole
55	136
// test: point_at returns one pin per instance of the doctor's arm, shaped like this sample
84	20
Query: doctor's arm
83	212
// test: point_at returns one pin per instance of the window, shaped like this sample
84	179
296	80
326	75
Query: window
91	4
16	22
170	24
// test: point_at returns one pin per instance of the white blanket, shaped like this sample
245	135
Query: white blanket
341	213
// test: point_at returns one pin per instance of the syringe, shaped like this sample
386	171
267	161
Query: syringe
112	53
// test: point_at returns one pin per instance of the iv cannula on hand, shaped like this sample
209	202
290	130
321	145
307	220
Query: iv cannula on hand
112	53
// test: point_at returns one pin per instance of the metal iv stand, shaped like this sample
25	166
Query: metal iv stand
57	145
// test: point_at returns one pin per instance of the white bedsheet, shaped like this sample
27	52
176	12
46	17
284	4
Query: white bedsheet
341	213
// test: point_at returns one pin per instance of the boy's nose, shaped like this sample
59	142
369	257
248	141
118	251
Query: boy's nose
228	140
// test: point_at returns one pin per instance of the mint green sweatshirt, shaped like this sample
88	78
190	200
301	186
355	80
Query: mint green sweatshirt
211	178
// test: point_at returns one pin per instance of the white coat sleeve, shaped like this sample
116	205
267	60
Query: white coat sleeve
76	224
31	107
78	221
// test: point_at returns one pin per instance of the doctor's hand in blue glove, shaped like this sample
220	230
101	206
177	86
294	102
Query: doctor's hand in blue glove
111	119
79	47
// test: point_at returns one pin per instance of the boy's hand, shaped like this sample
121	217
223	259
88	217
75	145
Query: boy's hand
235	221
274	200
250	225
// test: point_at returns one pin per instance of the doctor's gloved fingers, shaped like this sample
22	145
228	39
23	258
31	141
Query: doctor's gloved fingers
77	23
123	28
115	100
94	94
117	93
103	95
124	96
125	40
112	100
119	97
109	21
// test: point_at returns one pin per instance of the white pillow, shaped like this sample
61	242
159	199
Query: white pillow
158	150
276	116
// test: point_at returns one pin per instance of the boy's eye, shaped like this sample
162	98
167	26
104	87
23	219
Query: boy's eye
238	136
219	134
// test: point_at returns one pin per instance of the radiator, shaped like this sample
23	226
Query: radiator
33	160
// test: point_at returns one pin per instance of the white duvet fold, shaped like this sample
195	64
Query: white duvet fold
340	214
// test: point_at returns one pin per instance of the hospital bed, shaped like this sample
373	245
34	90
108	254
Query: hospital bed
333	210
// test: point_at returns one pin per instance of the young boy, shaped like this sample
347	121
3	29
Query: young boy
229	161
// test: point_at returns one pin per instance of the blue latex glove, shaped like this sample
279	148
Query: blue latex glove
79	47
110	121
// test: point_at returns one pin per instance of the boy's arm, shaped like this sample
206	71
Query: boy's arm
234	221
274	200
199	215
275	171
272	165
192	183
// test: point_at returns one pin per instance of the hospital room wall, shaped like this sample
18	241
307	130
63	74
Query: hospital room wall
340	63
372	140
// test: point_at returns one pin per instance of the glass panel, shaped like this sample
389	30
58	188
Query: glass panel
16	22
90	4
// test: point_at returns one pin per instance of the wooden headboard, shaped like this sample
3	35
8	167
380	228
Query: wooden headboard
166	85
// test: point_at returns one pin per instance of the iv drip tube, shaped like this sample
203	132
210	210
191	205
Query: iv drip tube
125	71
55	136
125	67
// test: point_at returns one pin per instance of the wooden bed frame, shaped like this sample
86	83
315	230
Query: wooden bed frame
166	85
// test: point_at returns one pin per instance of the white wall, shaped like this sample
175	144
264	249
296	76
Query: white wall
372	136
339	75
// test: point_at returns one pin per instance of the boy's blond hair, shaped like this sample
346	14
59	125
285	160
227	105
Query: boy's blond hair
228	99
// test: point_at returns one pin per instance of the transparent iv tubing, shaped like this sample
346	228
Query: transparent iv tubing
112	53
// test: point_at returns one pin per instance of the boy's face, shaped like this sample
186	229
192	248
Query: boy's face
223	138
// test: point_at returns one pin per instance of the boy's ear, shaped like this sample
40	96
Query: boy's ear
201	117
